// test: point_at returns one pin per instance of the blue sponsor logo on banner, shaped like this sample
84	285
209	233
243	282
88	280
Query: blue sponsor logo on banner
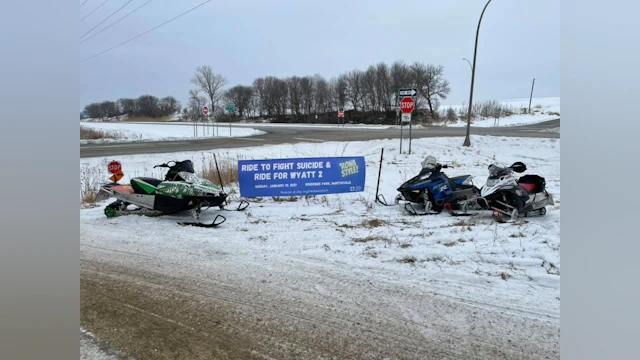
299	177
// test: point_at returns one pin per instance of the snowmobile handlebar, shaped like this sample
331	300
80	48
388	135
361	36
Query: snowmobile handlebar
166	165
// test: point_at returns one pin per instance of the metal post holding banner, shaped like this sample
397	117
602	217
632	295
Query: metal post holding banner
379	197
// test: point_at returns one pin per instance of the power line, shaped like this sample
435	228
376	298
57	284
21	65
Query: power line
94	10
117	21
85	1
146	32
113	13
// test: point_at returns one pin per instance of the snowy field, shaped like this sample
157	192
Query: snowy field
542	109
156	131
471	264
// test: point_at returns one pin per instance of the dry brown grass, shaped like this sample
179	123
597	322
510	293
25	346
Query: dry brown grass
146	119
371	238
228	171
93	134
285	198
90	180
409	260
372	223
554	113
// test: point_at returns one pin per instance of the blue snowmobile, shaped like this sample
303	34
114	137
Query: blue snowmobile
435	191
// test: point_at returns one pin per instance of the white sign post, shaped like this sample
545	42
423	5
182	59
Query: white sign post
407	105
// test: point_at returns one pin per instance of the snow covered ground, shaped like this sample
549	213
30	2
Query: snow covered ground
91	348
156	131
542	109
469	264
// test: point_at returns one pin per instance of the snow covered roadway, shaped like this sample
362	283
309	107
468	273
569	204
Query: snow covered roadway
334	277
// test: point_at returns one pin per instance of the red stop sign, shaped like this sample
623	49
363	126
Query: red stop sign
114	167
205	110
407	105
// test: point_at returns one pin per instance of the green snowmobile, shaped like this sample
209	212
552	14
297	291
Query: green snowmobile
181	190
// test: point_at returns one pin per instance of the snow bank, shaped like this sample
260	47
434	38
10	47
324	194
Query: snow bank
155	131
542	109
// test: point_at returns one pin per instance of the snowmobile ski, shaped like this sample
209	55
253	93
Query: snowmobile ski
213	224
454	213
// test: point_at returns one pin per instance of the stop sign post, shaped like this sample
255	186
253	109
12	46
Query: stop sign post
407	105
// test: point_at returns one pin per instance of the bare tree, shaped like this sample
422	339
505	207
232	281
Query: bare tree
108	109
147	105
339	92
369	95
383	85
210	83
400	78
280	92
294	84
355	89
418	79
196	102
436	88
451	115
126	106
240	97
169	105
260	94
92	110
307	89
322	94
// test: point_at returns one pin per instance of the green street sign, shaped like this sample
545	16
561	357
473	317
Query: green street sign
230	108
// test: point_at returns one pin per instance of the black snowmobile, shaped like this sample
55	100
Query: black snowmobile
434	190
504	194
181	190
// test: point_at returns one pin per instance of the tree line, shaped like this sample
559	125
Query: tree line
370	95
143	106
367	96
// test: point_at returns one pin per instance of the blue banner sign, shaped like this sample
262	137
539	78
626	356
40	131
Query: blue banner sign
299	177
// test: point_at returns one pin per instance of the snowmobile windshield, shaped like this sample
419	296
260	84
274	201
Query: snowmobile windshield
429	162
496	171
186	165
188	177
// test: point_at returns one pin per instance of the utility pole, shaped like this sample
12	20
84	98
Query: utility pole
531	96
467	140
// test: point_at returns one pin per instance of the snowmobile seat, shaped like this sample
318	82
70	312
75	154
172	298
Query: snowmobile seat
528	187
144	185
459	179
123	189
532	183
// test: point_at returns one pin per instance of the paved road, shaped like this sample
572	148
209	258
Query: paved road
295	134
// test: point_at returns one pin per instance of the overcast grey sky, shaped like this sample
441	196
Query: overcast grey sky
246	39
